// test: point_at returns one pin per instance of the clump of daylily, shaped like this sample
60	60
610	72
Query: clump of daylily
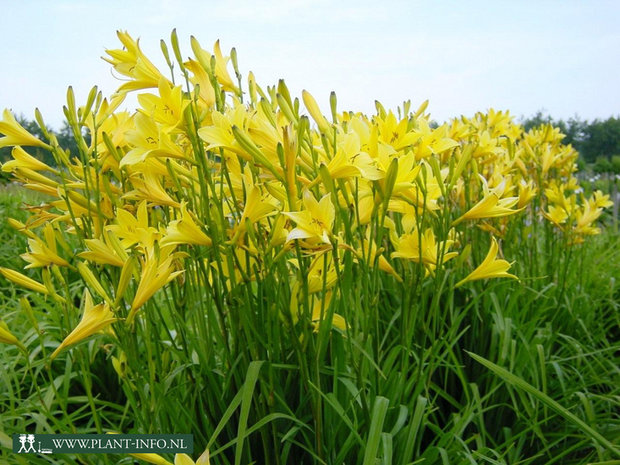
213	186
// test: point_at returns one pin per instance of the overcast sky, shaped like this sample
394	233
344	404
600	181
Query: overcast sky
465	56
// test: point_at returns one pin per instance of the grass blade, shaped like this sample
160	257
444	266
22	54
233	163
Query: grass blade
545	399
246	402
379	411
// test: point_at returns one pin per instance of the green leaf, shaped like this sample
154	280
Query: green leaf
379	411
545	399
246	401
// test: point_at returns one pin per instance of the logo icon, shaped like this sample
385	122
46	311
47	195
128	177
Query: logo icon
26	442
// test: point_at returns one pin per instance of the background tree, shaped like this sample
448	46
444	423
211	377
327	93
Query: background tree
601	139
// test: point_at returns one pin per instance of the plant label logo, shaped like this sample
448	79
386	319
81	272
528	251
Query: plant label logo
27	441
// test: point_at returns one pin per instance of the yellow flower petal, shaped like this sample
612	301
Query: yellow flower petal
94	319
490	267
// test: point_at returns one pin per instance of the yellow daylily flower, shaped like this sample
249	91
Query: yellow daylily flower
423	249
221	73
115	126
351	161
555	194
40	255
408	170
43	253
220	133
342	166
585	217
101	252
150	139
257	207
431	141
94	319
490	267
394	133
315	222
167	107
134	229
200	79
22	159
557	215
131	62
492	205
148	187
601	200
184	231
527	191
487	146
15	134
157	271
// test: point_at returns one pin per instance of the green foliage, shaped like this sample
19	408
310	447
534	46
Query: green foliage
12	201
602	138
615	164
602	165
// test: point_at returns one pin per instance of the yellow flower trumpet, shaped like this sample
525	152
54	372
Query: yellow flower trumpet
22	159
157	271
15	134
492	205
184	231
490	267
94	319
315	222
